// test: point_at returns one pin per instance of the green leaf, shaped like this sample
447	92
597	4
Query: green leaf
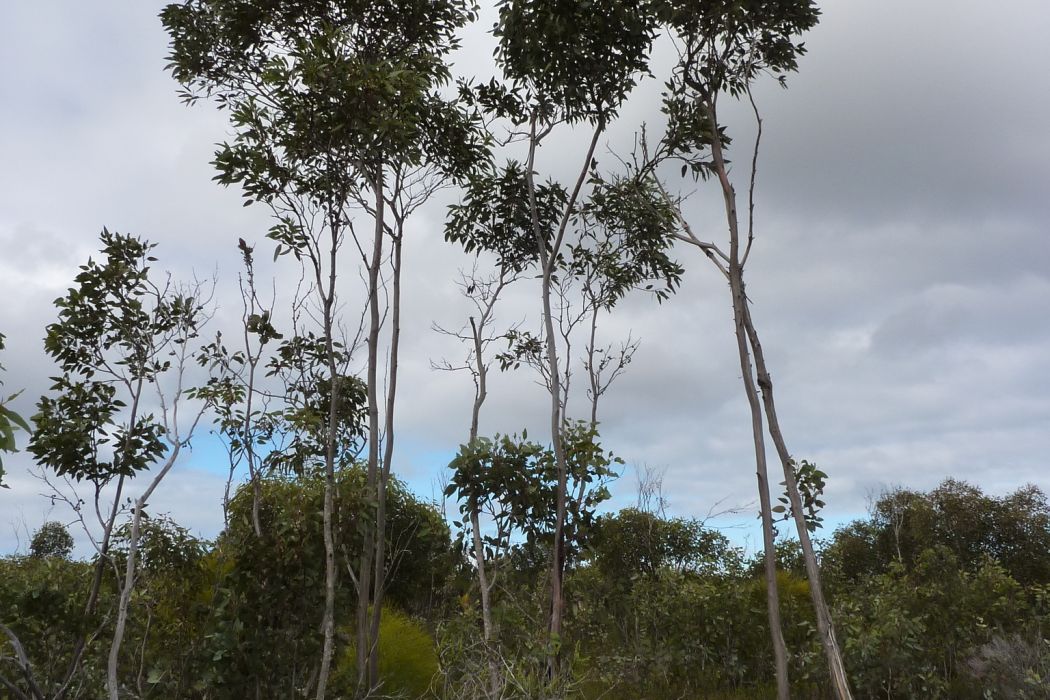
14	418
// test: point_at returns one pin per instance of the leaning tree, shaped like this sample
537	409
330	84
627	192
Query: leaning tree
723	48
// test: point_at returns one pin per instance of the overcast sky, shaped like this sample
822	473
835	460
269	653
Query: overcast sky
901	278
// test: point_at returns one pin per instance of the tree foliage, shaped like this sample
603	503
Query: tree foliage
117	334
314	87
51	540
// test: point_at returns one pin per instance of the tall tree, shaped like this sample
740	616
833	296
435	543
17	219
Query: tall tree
478	334
564	65
339	116
723	48
123	344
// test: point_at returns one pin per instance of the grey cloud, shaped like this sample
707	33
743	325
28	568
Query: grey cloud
955	313
900	276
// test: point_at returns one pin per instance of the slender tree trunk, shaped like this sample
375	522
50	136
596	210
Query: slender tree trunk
487	630
483	377
112	681
837	670
328	514
548	260
21	661
736	284
111	666
96	585
484	587
388	455
592	373
557	600
249	441
772	595
103	558
483	581
365	681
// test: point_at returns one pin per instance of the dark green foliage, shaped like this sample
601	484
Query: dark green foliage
568	62
724	46
625	243
51	540
622	233
322	93
513	482
933	586
495	216
810	482
911	632
667	608
117	333
1013	530
633	543
660	607
41	601
727	43
577	60
167	645
624	230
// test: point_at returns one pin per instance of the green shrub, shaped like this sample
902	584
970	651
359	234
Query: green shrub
408	659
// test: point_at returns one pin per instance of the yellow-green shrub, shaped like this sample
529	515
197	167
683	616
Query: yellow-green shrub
407	658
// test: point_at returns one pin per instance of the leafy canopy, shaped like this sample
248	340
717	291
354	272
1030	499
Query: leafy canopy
117	333
573	61
323	93
515	482
724	46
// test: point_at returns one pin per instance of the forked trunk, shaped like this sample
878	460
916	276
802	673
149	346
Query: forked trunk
740	316
557	564
365	679
548	260
836	668
484	587
757	433
112	681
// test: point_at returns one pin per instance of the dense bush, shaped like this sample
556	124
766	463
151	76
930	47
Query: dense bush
945	606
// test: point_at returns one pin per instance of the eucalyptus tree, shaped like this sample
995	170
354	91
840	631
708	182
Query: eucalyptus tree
564	65
492	478
478	334
508	480
723	47
513	482
121	405
339	117
272	392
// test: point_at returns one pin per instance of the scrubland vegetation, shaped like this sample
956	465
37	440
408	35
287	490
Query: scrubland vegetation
330	578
